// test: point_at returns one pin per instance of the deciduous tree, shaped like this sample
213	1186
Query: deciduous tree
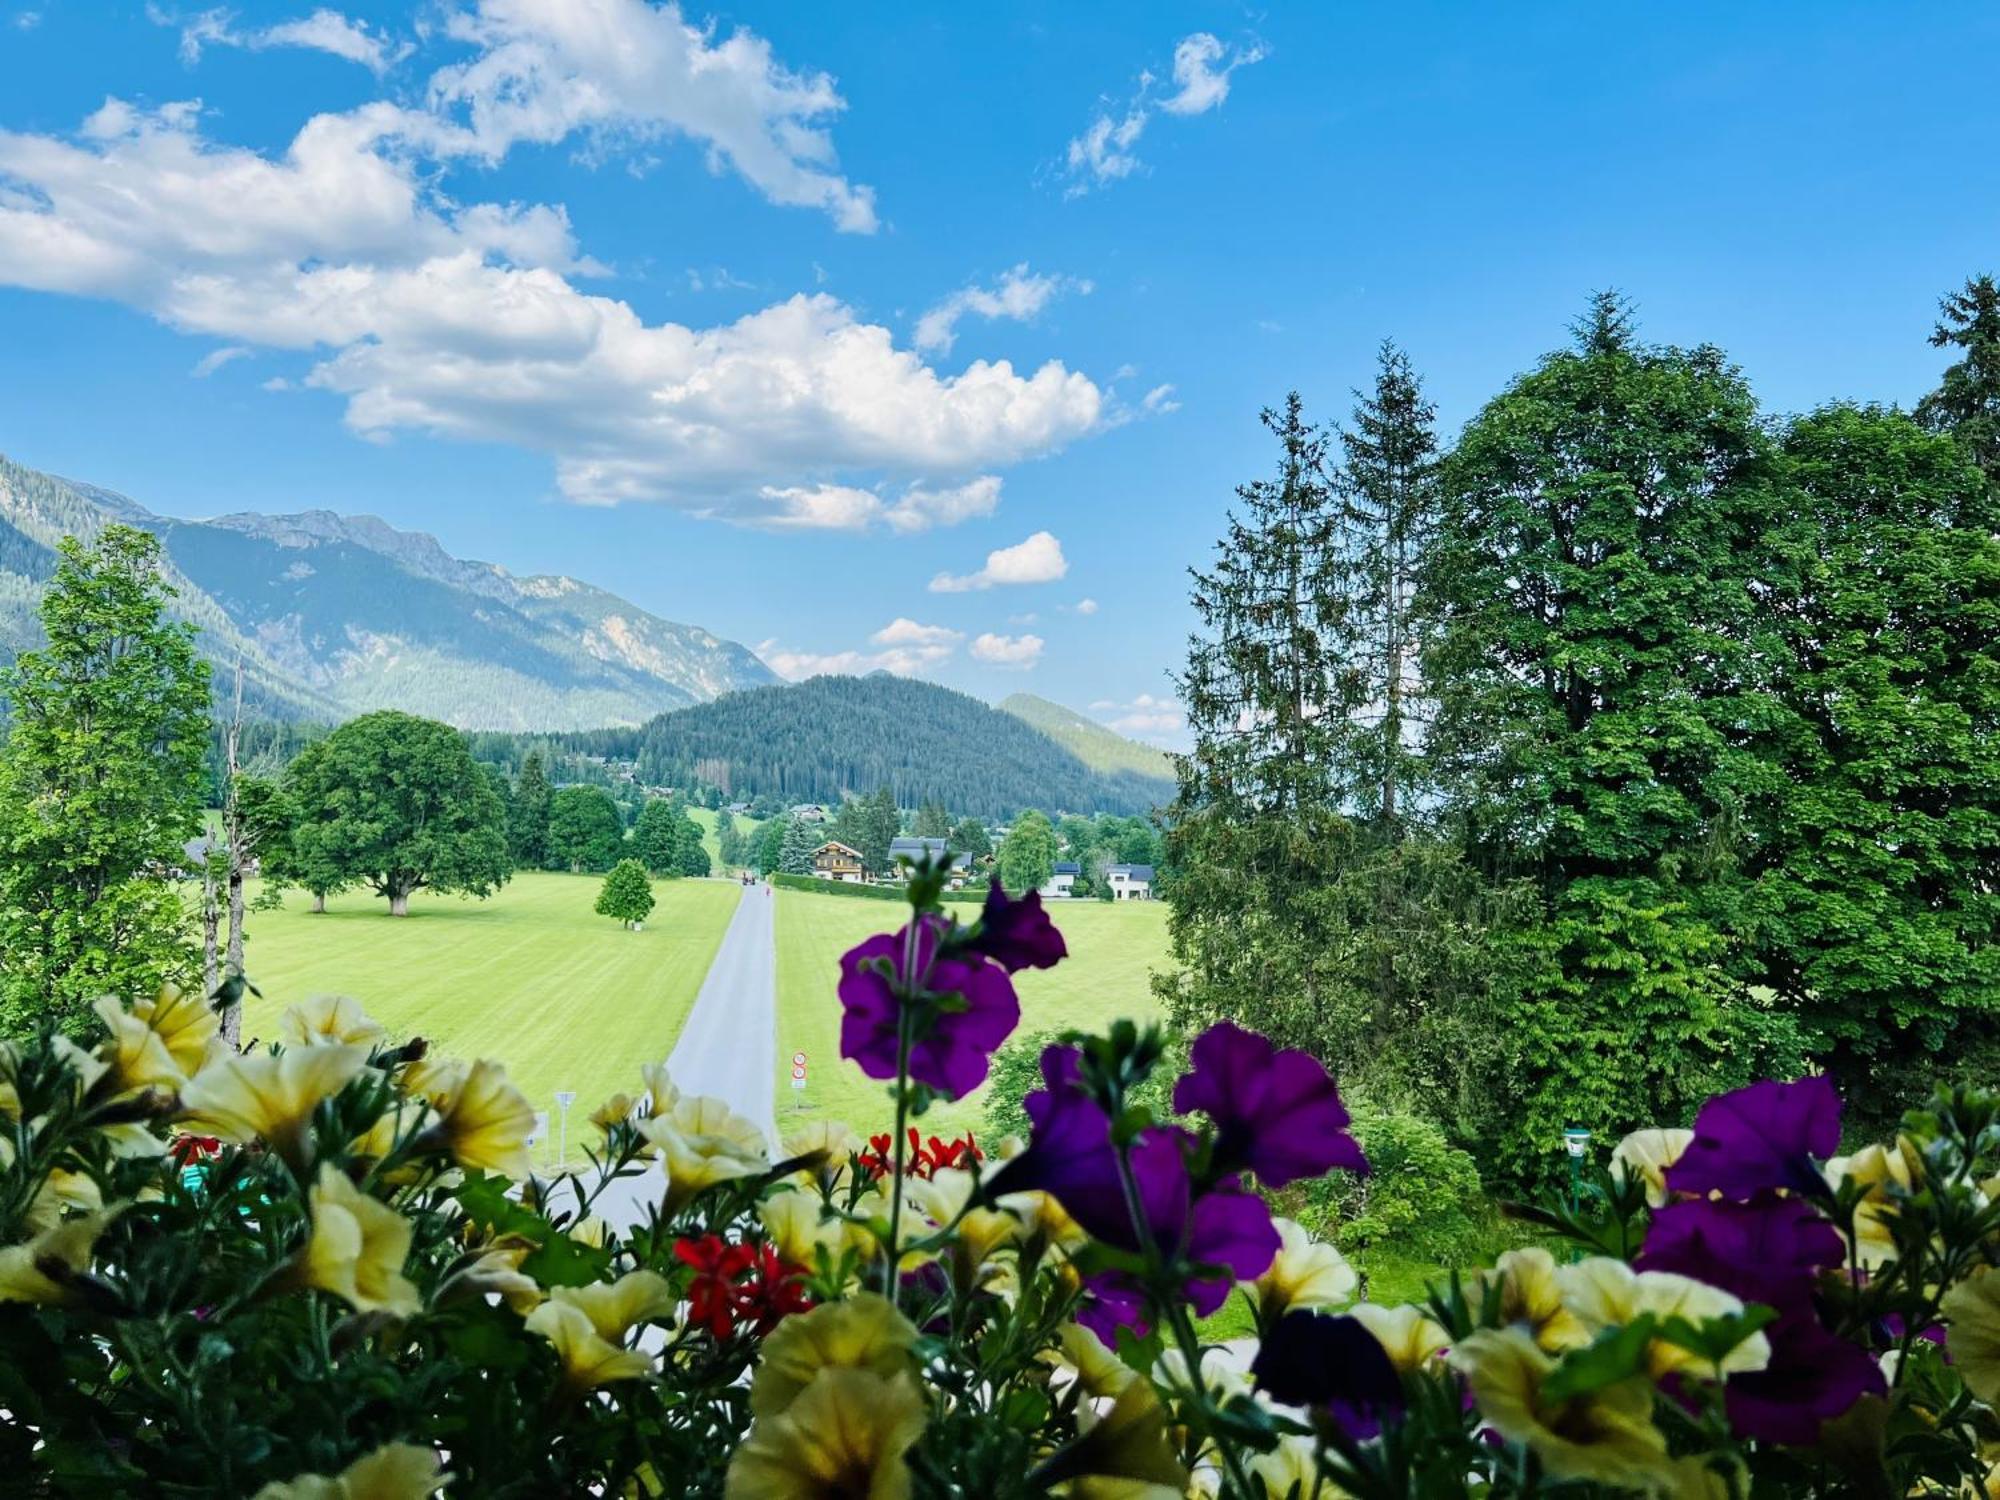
585	834
627	894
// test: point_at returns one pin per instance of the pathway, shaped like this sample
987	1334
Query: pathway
728	1049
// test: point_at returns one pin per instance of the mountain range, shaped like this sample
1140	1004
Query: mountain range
335	615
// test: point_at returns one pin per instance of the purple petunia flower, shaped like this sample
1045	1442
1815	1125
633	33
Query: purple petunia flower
1111	1302
1769	1135
1070	1156
1333	1363
1275	1112
952	1054
1018	934
1771	1250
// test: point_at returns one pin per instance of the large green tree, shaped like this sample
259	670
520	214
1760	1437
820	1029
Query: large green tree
305	863
1966	403
100	786
585	833
627	895
528	818
1879	844
655	837
1028	853
795	850
397	803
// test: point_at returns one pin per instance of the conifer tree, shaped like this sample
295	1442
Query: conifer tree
1967	402
528	823
795	854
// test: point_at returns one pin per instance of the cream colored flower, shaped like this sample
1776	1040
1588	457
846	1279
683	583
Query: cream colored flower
1606	1293
1972	1333
615	1308
863	1333
588	1359
797	1227
60	1191
269	1096
135	1055
1606	1435
44	1270
1125	1454
357	1249
613	1111
981	1232
830	1140
1221	1377
700	1143
431	1078
844	1436
485	1122
1888	1173
1290	1471
1098	1370
186	1024
403	1119
496	1272
662	1093
327	1019
1407	1336
1647	1154
1304	1275
399	1471
1531	1295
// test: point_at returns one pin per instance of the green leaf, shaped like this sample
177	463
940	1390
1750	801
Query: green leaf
1616	1354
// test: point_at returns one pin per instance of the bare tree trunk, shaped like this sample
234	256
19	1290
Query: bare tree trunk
239	854
319	901
399	903
211	920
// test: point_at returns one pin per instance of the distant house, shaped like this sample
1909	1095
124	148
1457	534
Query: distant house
914	849
809	812
1130	882
737	809
833	860
1063	882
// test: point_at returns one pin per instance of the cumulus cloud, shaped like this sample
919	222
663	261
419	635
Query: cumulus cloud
1104	152
215	359
1037	560
1017	652
903	646
467	320
1085	606
1019	294
628	72
1145	717
1160	400
323	31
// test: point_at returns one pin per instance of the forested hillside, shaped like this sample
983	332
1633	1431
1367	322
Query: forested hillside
835	735
1097	747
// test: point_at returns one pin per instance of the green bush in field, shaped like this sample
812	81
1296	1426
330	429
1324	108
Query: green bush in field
1423	1194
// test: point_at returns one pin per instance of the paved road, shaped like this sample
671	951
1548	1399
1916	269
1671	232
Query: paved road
729	1047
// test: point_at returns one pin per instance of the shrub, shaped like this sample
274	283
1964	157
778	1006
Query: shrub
1422	1194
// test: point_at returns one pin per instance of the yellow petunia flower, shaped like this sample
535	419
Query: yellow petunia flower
45	1268
1305	1274
1040	1214
135	1055
1972	1334
1098	1369
1606	1435
401	1120
613	1111
588	1359
615	1308
1531	1296
796	1225
1607	1293
496	1272
269	1096
662	1093
1885	1172
485	1122
843	1438
1124	1454
1290	1471
62	1190
433	1079
700	1143
1407	1336
325	1019
980	1233
1647	1154
357	1249
830	1140
186	1025
399	1471
863	1333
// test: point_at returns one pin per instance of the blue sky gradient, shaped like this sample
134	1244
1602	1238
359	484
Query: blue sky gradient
1795	182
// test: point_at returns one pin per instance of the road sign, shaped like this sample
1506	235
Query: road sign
565	1097
798	1059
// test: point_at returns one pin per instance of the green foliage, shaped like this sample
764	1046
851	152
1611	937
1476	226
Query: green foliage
796	846
100	785
585	834
729	840
658	836
933	821
1028	853
970	837
1099	748
771	844
857	891
1421	1195
528	825
397	803
1966	403
627	894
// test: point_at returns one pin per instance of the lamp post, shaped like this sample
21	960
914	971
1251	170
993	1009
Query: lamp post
1576	1141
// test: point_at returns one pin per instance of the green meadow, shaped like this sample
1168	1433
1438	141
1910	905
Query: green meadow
1113	949
530	977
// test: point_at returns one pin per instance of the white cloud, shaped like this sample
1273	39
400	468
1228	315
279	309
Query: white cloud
27	20
627	72
1145	717
1037	560
1019	295
465	321
1019	652
1104	152
1085	606
907	649
215	359
1203	85
322	31
1160	400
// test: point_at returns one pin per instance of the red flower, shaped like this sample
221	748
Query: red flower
712	1294
186	1149
773	1292
924	1159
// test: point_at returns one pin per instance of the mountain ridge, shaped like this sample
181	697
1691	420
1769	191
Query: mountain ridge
1096	745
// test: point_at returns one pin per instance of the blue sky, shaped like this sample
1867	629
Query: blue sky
891	342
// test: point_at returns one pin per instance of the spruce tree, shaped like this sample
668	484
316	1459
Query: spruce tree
795	855
1967	402
528	821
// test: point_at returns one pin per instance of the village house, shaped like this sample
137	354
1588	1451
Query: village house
833	860
1130	882
1062	883
914	849
809	812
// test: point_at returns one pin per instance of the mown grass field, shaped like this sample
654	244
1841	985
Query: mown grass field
531	977
704	819
1112	950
